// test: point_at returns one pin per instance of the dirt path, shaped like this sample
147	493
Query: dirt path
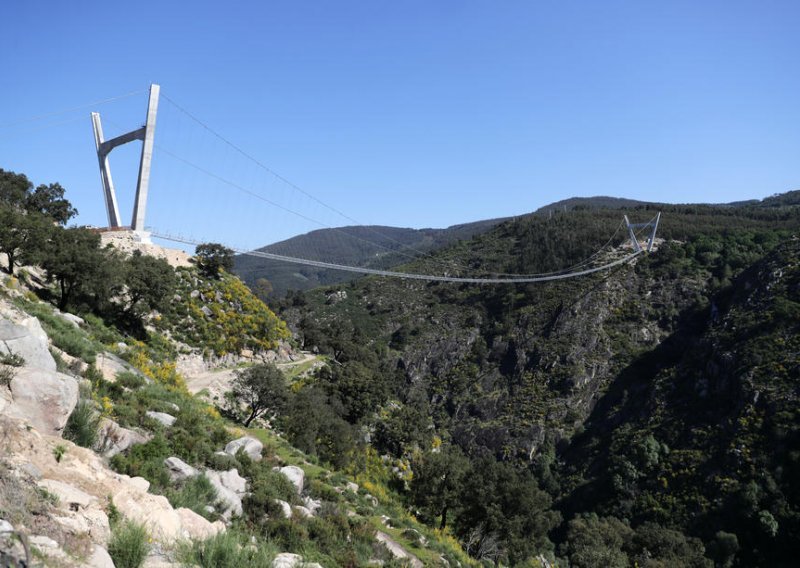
218	381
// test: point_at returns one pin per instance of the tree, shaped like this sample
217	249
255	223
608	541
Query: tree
437	482
593	541
150	283
21	235
213	258
49	201
14	188
313	423
73	259
503	503
262	388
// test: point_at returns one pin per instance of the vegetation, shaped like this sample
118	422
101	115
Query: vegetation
213	258
83	425
646	416
128	546
261	388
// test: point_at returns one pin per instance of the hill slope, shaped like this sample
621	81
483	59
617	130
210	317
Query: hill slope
367	246
548	376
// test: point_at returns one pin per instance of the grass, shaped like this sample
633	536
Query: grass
62	333
128	546
83	425
227	550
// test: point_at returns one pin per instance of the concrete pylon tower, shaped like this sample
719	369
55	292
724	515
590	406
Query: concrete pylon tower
146	134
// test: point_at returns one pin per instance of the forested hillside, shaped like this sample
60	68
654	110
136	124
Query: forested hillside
367	246
642	416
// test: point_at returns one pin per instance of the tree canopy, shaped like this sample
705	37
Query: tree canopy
213	258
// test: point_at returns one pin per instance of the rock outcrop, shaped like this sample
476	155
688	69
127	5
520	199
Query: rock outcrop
295	475
43	398
251	446
28	340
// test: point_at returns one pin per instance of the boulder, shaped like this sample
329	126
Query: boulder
77	321
44	398
230	502
350	486
287	560
162	417
196	527
303	512
398	551
140	483
286	509
251	446
99	558
29	341
5	527
110	366
230	480
69	497
295	475
312	504
179	469
115	439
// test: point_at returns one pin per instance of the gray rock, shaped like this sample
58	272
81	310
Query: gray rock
77	321
287	560
30	469
162	417
295	475
304	512
100	558
69	497
233	481
5	527
44	398
251	447
194	294
229	501
115	439
207	311
179	469
312	504
110	366
29	341
286	509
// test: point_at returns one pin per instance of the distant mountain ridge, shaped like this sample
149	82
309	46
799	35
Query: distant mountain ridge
371	246
377	246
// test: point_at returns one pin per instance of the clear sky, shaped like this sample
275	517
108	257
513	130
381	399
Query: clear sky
408	113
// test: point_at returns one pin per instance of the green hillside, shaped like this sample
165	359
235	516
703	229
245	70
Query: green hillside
363	246
600	391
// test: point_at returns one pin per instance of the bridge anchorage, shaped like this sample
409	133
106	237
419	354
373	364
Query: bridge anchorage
146	134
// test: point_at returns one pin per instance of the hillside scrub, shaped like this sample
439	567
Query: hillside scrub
577	384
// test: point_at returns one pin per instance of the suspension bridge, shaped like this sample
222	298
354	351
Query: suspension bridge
225	167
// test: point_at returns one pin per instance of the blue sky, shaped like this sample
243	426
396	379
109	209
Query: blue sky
412	113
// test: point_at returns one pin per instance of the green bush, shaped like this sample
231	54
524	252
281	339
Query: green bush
130	380
83	425
128	545
195	494
226	550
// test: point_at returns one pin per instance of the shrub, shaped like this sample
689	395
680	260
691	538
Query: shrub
7	363
130	380
83	425
128	545
226	550
195	494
